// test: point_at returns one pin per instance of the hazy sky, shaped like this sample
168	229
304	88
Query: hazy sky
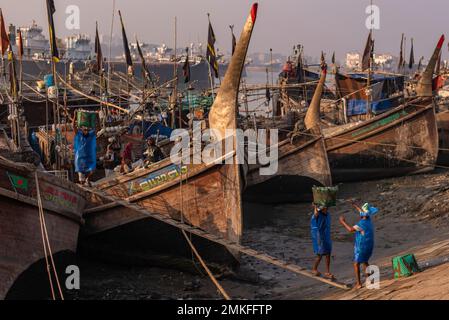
318	24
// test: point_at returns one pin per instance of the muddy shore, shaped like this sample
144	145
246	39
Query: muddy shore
413	218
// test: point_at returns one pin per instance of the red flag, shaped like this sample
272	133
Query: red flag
4	39
438	83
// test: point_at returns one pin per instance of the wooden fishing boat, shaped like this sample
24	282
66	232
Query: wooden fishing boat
20	234
401	141
398	142
206	195
443	137
302	163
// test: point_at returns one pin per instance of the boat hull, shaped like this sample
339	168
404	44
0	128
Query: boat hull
208	199
401	141
443	136
302	163
20	234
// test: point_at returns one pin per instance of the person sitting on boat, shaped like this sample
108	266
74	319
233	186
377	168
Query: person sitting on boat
320	227
127	159
364	239
85	146
153	153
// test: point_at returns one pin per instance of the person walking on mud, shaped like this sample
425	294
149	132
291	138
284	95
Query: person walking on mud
320	227
363	241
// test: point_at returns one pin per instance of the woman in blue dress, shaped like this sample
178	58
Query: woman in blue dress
364	239
320	228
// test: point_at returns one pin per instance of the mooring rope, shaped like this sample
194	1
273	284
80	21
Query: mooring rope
192	246
46	243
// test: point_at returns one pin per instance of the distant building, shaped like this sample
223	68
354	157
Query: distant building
78	47
352	60
384	61
381	61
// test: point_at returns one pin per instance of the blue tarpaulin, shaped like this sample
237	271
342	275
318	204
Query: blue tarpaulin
85	148
153	128
356	107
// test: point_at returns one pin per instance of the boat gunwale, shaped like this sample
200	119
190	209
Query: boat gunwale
374	132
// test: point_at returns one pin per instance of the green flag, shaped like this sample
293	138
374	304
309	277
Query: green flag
18	182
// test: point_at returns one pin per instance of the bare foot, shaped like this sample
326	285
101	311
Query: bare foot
316	273
329	276
358	286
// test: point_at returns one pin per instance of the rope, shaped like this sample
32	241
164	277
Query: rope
46	243
192	246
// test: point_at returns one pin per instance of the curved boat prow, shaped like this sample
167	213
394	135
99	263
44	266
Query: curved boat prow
424	87
223	113
312	118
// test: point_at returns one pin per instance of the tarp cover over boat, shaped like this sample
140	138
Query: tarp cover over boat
383	86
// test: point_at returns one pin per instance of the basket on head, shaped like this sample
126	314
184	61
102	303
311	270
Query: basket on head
325	196
85	119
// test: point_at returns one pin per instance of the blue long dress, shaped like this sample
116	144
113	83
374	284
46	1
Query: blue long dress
85	147
364	241
320	228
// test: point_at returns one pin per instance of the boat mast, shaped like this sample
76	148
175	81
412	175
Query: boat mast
210	71
55	100
110	47
371	54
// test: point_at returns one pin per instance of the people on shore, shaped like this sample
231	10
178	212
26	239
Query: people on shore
320	227
363	241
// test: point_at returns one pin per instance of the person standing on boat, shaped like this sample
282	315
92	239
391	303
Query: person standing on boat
320	227
364	239
109	161
127	158
85	148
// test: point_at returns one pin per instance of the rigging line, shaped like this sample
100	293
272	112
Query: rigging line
192	246
44	243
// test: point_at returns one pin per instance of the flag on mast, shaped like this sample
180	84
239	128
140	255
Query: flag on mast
51	28
411	61
420	63
234	41
145	71
129	61
4	39
368	52
211	55
98	52
401	54
14	84
186	67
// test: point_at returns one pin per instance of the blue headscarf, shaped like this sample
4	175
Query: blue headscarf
368	210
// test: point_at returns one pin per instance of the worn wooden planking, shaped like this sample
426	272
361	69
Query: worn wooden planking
20	234
305	156
401	141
